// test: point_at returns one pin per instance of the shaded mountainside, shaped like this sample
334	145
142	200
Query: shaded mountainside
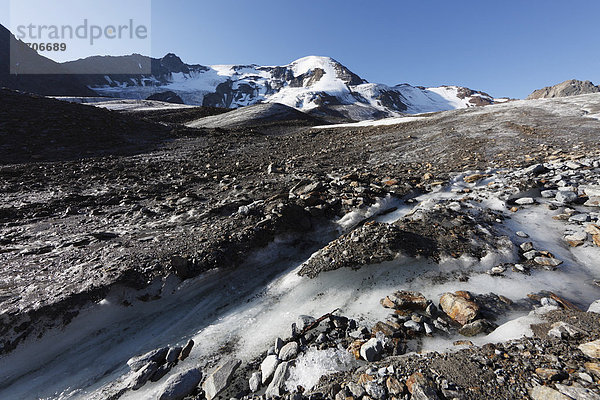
571	87
42	129
57	83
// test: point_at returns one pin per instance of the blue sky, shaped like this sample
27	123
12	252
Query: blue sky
507	48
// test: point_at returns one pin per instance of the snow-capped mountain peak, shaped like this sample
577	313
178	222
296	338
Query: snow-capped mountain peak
315	84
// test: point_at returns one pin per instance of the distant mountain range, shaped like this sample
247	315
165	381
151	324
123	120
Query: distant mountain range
317	85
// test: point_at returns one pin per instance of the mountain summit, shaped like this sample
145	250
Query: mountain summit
571	87
314	84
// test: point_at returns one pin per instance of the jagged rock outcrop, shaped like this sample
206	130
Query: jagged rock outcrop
571	87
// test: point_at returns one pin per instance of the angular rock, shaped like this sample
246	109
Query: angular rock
576	239
547	262
157	355
591	190
220	378
268	367
278	345
548	194
255	381
371	350
428	329
375	390
355	347
577	392
277	386
413	326
594	307
531	254
142	375
591	349
289	351
524	201
185	352
579	218
420	387
160	372
386	328
304	321
527	246
566	196
592	229
180	385
562	330
593	368
394	386
474	178
551	374
417	377
458	308
592	202
356	390
173	354
476	327
405	300
546	393
535	169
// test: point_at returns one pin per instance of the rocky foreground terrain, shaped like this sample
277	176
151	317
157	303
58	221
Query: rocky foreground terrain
472	230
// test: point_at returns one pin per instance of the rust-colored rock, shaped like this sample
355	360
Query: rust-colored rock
364	378
474	178
405	300
459	308
591	349
354	348
415	378
394	386
384	328
592	229
463	293
593	368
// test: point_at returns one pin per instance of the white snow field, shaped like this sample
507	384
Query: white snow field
124	104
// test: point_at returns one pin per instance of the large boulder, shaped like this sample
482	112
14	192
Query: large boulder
220	378
277	386
180	385
157	355
459	308
268	367
591	349
371	350
405	300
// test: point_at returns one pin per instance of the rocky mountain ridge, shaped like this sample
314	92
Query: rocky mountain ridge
572	87
318	85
